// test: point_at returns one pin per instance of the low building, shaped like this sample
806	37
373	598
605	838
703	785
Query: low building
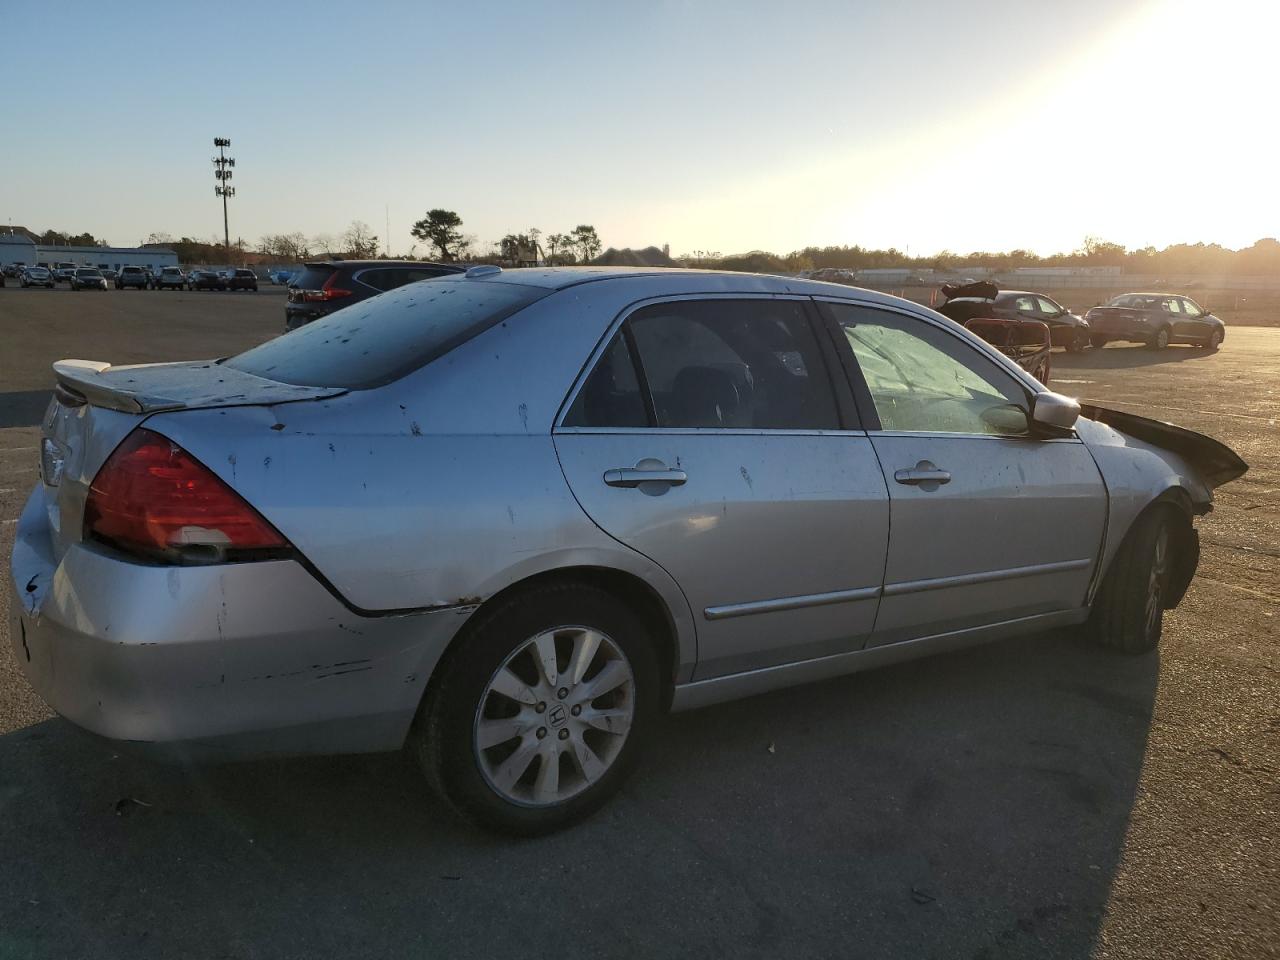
19	248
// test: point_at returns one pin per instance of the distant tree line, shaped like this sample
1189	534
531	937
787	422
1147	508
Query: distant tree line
1262	258
441	231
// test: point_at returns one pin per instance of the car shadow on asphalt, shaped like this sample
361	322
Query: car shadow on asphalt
23	408
970	805
1117	357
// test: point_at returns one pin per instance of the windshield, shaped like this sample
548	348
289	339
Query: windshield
385	337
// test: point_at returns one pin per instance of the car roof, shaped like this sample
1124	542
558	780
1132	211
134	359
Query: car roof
339	264
1139	293
681	280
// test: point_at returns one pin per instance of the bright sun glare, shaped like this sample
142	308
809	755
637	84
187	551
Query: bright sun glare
1159	132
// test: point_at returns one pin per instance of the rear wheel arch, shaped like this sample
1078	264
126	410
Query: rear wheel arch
627	588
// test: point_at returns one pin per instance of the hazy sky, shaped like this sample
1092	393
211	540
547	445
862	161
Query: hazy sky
928	124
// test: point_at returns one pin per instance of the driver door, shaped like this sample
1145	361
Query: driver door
987	523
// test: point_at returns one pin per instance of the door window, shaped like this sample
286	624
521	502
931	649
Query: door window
1049	308
922	379
1025	305
382	278
1172	305
744	364
1190	309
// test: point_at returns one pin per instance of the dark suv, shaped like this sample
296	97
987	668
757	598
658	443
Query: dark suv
326	286
243	280
132	277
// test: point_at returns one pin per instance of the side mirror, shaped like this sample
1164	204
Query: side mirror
1054	411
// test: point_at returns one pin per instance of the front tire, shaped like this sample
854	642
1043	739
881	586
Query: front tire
1214	341
1098	340
539	715
1079	340
1128	613
1160	340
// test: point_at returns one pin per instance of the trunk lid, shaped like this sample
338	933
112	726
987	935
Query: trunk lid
96	405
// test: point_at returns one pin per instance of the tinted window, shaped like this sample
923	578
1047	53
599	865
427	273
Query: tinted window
247	274
382	278
734	364
922	379
1048	307
611	395
383	338
312	278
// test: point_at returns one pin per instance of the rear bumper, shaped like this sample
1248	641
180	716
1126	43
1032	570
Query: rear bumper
215	662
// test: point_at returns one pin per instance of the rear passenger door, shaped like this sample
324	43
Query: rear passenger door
709	436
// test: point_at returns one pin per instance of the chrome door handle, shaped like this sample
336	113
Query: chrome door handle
634	476
922	473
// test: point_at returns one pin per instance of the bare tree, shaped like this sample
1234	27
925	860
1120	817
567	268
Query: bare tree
359	240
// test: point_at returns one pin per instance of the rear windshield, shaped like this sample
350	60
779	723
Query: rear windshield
131	270
312	278
171	270
1135	300
88	273
244	273
386	337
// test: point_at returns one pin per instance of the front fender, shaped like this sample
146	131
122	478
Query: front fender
1143	461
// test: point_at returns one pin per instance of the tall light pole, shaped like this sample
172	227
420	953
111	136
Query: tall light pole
223	188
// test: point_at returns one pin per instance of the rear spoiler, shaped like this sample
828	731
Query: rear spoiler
1216	462
156	387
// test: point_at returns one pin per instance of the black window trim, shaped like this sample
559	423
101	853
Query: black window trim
846	410
862	393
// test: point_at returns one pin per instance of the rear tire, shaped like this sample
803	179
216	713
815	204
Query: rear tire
504	784
1128	612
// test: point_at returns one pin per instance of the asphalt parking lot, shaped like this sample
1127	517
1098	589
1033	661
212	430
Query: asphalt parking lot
1036	798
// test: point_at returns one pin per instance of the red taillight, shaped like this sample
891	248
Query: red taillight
153	497
327	291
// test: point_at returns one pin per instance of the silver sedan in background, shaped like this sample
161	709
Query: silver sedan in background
505	519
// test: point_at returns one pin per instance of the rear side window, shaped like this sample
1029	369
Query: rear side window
734	364
384	338
611	396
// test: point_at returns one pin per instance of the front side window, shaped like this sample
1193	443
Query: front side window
1049	308
1172	305
1025	305
1190	309
734	364
922	379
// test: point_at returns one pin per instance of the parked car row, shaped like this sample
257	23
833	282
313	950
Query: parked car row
141	278
1156	319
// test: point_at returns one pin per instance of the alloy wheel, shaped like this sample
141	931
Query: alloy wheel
1155	581
554	716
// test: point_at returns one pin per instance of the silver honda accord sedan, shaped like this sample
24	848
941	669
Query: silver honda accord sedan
504	519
